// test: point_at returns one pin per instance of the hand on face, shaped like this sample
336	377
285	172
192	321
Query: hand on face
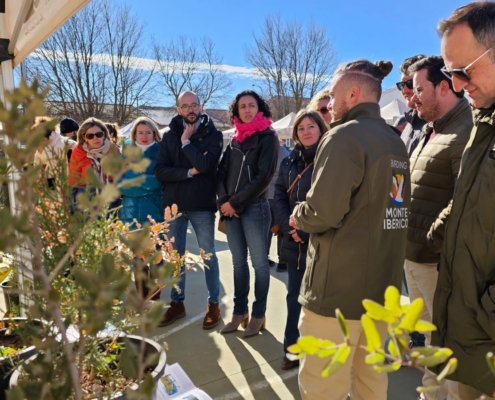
188	131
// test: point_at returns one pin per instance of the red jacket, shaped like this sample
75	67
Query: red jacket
79	163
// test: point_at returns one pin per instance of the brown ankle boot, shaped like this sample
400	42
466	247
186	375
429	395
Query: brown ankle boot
174	312
254	327
212	317
234	324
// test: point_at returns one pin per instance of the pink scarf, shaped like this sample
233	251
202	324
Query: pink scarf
244	130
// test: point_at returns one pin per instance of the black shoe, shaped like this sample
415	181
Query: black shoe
271	263
282	267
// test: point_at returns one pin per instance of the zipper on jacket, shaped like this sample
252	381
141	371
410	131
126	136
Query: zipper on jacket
240	170
313	264
249	172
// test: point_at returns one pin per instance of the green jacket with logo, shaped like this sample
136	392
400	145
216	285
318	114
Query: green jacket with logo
356	212
464	304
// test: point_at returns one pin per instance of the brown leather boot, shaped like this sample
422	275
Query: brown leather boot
212	317
174	312
234	324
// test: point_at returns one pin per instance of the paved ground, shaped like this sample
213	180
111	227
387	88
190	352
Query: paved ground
228	367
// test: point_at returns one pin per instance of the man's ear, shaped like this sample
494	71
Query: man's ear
444	87
353	94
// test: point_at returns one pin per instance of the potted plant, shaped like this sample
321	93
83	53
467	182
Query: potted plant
75	261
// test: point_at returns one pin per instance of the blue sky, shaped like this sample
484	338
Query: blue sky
377	30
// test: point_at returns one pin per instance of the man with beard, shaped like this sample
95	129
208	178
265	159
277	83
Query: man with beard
435	165
356	213
464	304
187	164
412	134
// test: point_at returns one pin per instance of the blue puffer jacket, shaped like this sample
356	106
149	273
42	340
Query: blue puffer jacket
294	254
146	199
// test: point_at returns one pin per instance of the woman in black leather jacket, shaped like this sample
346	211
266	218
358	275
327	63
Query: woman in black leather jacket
294	182
246	169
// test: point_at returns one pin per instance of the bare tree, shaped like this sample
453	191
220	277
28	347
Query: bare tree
186	64
293	63
93	64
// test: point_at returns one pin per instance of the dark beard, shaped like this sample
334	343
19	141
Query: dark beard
191	122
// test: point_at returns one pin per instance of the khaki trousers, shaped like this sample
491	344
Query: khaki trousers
355	378
464	392
421	283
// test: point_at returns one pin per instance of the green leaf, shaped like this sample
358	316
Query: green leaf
448	370
392	300
133	153
438	357
373	339
392	348
93	179
378	312
490	359
107	266
424	351
309	344
15	393
148	386
140	166
294	349
411	318
424	326
388	368
109	193
337	361
425	389
375	358
128	360
343	325
128	183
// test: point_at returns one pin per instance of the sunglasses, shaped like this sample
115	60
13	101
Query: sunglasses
461	73
408	84
323	110
91	136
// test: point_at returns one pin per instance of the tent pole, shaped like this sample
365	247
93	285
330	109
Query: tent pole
21	17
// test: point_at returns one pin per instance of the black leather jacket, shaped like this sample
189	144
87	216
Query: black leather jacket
246	169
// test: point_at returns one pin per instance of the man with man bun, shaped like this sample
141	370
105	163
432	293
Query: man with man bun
356	212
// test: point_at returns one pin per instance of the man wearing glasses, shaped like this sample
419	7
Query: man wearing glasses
464	304
411	135
187	164
434	168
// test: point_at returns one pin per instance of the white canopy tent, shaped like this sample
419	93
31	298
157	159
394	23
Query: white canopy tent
393	110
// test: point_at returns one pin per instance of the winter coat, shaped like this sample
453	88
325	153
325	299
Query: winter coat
413	132
246	169
291	252
434	168
146	199
464	304
282	154
356	214
173	163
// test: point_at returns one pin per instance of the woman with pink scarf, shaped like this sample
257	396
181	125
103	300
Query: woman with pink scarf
244	174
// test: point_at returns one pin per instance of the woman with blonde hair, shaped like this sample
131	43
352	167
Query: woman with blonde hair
320	103
145	200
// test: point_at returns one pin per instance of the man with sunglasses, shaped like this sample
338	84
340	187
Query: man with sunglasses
464	305
412	133
435	165
186	163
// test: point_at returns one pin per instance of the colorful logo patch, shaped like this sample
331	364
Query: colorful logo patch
398	190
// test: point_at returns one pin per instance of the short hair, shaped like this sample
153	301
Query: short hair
434	65
41	120
89	123
113	131
262	104
404	67
367	74
187	92
314	116
321	95
144	121
479	16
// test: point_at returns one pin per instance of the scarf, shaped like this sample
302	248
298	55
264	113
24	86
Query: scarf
144	147
95	155
244	130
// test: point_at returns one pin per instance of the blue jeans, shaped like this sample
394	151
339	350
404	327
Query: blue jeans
248	232
291	333
203	223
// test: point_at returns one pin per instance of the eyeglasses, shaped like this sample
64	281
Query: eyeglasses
91	136
417	90
408	84
194	107
462	73
323	110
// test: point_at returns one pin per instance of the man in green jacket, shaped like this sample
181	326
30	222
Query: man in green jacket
434	168
356	212
464	304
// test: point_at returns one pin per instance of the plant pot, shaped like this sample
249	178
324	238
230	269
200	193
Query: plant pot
150	347
6	365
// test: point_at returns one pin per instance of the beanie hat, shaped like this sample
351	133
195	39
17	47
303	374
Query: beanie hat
68	125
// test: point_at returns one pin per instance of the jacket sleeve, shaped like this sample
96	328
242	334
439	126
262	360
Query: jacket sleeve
267	163
164	168
281	206
205	162
436	234
339	167
221	189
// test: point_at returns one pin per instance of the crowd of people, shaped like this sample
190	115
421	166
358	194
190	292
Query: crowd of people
357	205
